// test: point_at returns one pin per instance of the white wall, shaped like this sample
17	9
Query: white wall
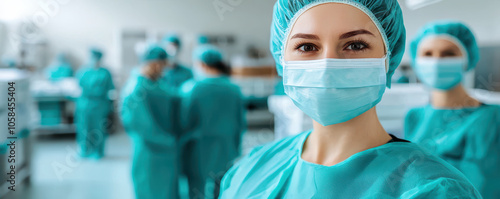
78	24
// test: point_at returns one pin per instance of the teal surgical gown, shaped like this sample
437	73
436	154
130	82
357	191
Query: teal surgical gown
177	76
468	139
214	120
393	170
147	112
60	71
92	110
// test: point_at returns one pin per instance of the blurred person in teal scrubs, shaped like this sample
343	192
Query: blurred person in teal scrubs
213	118
148	109
455	126
176	74
93	106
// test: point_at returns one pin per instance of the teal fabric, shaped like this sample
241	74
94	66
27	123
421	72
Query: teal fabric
147	114
177	76
57	72
213	117
468	139
403	80
203	39
60	69
387	14
455	29
393	170
92	110
50	112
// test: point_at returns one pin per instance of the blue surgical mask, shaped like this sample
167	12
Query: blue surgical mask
332	91
442	73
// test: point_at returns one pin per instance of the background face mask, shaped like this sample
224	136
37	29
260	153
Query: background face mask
442	74
332	91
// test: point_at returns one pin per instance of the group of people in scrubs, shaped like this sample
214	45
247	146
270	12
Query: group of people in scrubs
182	122
336	58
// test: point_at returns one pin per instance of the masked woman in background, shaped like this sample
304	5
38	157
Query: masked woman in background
454	126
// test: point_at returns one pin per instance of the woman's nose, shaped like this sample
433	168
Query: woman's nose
331	53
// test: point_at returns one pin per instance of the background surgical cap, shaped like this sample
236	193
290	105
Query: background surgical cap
456	30
172	38
387	15
96	54
154	53
207	54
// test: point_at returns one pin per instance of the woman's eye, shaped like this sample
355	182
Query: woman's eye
356	46
307	48
449	54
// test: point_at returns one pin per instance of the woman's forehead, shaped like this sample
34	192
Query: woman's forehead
333	19
438	43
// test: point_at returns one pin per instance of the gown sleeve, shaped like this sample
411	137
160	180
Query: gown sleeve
481	159
442	188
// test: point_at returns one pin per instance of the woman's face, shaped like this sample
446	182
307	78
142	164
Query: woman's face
334	30
438	48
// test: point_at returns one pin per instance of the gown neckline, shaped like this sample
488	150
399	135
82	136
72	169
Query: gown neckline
354	156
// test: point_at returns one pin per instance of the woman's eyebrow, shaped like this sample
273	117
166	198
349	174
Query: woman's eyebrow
354	33
305	36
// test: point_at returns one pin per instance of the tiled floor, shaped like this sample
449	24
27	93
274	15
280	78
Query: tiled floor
57	173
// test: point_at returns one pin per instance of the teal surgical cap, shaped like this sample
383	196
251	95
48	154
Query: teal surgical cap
203	39
172	38
386	14
96	54
207	54
455	31
154	53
